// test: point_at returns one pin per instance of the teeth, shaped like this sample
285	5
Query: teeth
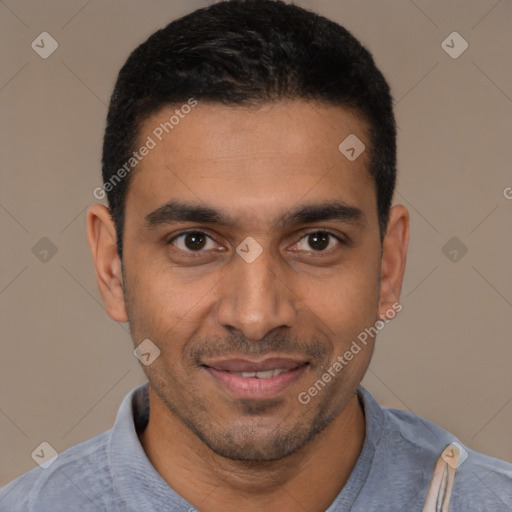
260	375
265	375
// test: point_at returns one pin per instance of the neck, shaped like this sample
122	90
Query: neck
309	479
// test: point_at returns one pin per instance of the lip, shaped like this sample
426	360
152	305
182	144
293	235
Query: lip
240	364
254	388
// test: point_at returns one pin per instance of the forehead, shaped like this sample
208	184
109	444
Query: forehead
250	161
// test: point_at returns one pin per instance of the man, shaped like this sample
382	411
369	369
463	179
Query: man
249	163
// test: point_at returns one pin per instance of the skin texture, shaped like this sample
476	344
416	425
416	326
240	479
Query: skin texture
301	298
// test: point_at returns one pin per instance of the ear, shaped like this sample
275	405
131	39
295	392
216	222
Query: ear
101	234
394	255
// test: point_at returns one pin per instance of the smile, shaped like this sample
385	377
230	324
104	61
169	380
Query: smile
260	375
246	379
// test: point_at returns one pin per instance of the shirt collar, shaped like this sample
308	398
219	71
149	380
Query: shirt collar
135	479
375	424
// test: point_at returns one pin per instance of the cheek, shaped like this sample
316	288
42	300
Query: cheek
164	305
347	300
345	317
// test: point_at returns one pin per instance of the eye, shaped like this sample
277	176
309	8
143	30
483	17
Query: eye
192	241
318	241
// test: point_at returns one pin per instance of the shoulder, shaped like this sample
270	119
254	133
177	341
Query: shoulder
481	482
78	479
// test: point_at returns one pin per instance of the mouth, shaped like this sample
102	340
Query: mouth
243	378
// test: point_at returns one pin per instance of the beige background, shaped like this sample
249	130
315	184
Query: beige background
65	366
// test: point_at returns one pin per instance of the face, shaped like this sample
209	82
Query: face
252	260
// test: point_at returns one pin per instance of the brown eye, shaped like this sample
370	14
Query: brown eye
192	241
195	241
317	241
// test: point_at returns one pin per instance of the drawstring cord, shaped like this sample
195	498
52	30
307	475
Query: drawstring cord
441	485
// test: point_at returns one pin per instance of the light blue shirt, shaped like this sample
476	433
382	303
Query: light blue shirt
111	472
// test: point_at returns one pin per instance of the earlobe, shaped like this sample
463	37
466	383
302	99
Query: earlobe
394	256
101	234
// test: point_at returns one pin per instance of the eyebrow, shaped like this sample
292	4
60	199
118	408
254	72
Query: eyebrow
178	211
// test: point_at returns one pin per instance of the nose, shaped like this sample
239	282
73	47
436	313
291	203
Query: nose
255	299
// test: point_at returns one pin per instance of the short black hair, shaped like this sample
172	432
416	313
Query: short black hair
248	52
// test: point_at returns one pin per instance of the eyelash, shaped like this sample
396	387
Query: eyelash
305	235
